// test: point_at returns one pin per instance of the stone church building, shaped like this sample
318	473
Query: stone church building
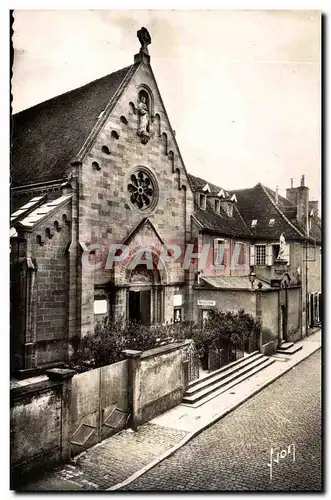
99	168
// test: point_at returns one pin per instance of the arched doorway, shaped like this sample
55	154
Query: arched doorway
145	296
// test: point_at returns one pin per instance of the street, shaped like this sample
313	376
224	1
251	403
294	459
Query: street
233	454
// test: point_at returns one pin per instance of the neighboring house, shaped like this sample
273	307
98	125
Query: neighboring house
268	215
251	221
100	165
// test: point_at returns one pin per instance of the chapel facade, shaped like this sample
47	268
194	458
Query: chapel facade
97	172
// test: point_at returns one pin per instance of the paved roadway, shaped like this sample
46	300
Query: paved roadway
233	454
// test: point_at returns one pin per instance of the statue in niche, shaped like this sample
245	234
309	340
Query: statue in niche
282	243
143	116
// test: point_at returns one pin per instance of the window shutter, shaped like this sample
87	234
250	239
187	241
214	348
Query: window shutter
226	253
252	255
287	253
268	255
215	252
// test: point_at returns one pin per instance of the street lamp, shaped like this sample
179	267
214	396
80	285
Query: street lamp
252	277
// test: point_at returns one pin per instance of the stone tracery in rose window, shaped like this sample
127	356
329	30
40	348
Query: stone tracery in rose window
141	189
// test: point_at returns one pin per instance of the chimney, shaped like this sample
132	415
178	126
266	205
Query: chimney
276	196
303	205
300	197
291	193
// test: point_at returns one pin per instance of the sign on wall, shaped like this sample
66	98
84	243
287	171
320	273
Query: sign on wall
206	303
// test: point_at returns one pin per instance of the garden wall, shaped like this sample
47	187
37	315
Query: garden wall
58	418
161	381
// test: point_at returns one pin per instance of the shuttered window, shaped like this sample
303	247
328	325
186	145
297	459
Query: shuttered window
220	252
260	255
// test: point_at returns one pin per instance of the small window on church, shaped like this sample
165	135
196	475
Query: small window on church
96	165
142	189
105	150
177	315
271	222
254	222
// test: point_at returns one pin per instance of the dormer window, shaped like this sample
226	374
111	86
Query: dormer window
254	222
221	194
217	206
206	188
271	222
229	209
202	201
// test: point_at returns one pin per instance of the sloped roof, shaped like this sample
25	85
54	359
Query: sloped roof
42	212
290	211
259	203
218	223
198	184
47	136
234	282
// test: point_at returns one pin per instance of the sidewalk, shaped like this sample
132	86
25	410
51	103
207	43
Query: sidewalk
120	459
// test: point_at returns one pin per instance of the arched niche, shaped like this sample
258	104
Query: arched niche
164	139
177	173
132	108
144	91
171	157
157	124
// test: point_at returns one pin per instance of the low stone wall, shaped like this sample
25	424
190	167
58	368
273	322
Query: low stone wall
270	348
38	419
161	380
60	417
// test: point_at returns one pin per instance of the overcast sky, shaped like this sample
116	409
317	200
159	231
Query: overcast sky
241	88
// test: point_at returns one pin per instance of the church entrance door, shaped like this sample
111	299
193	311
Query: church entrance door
140	306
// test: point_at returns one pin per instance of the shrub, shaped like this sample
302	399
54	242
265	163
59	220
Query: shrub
228	326
111	336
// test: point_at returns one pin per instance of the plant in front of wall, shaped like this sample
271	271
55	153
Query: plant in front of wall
231	327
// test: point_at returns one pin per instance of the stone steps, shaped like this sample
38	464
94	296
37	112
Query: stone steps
201	391
289	350
285	345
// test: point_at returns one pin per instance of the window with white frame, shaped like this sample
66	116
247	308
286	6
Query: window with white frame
220	252
254	222
202	201
239	253
260	255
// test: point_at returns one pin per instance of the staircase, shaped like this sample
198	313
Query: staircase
202	390
288	348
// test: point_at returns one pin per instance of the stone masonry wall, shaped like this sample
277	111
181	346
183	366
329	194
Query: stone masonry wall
52	287
106	215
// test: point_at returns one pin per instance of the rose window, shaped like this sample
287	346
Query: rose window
141	189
